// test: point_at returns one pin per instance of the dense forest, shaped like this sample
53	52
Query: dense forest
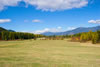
11	35
5	35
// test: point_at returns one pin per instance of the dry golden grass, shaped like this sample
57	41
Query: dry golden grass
48	53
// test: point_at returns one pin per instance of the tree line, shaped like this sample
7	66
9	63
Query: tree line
81	37
5	35
87	36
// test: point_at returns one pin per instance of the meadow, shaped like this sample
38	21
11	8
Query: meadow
48	53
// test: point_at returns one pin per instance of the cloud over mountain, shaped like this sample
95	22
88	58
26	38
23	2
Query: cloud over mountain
58	29
94	21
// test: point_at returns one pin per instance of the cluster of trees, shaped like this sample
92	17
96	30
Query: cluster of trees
87	36
5	35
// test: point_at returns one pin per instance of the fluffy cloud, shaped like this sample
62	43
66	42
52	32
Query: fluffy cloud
47	5
94	21
58	29
41	31
4	20
53	5
5	3
36	21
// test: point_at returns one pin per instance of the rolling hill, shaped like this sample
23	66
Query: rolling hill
3	29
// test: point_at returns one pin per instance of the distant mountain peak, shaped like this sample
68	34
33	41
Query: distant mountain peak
74	31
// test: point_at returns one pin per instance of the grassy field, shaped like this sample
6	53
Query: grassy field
48	53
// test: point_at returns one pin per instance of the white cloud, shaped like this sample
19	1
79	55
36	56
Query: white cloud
58	29
4	20
6	3
46	5
36	21
71	28
53	5
41	31
94	21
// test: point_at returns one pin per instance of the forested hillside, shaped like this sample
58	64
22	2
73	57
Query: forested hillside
11	35
2	29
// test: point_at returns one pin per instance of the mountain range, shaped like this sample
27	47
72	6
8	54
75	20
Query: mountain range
70	32
74	31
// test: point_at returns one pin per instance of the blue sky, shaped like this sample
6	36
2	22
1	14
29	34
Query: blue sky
48	15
